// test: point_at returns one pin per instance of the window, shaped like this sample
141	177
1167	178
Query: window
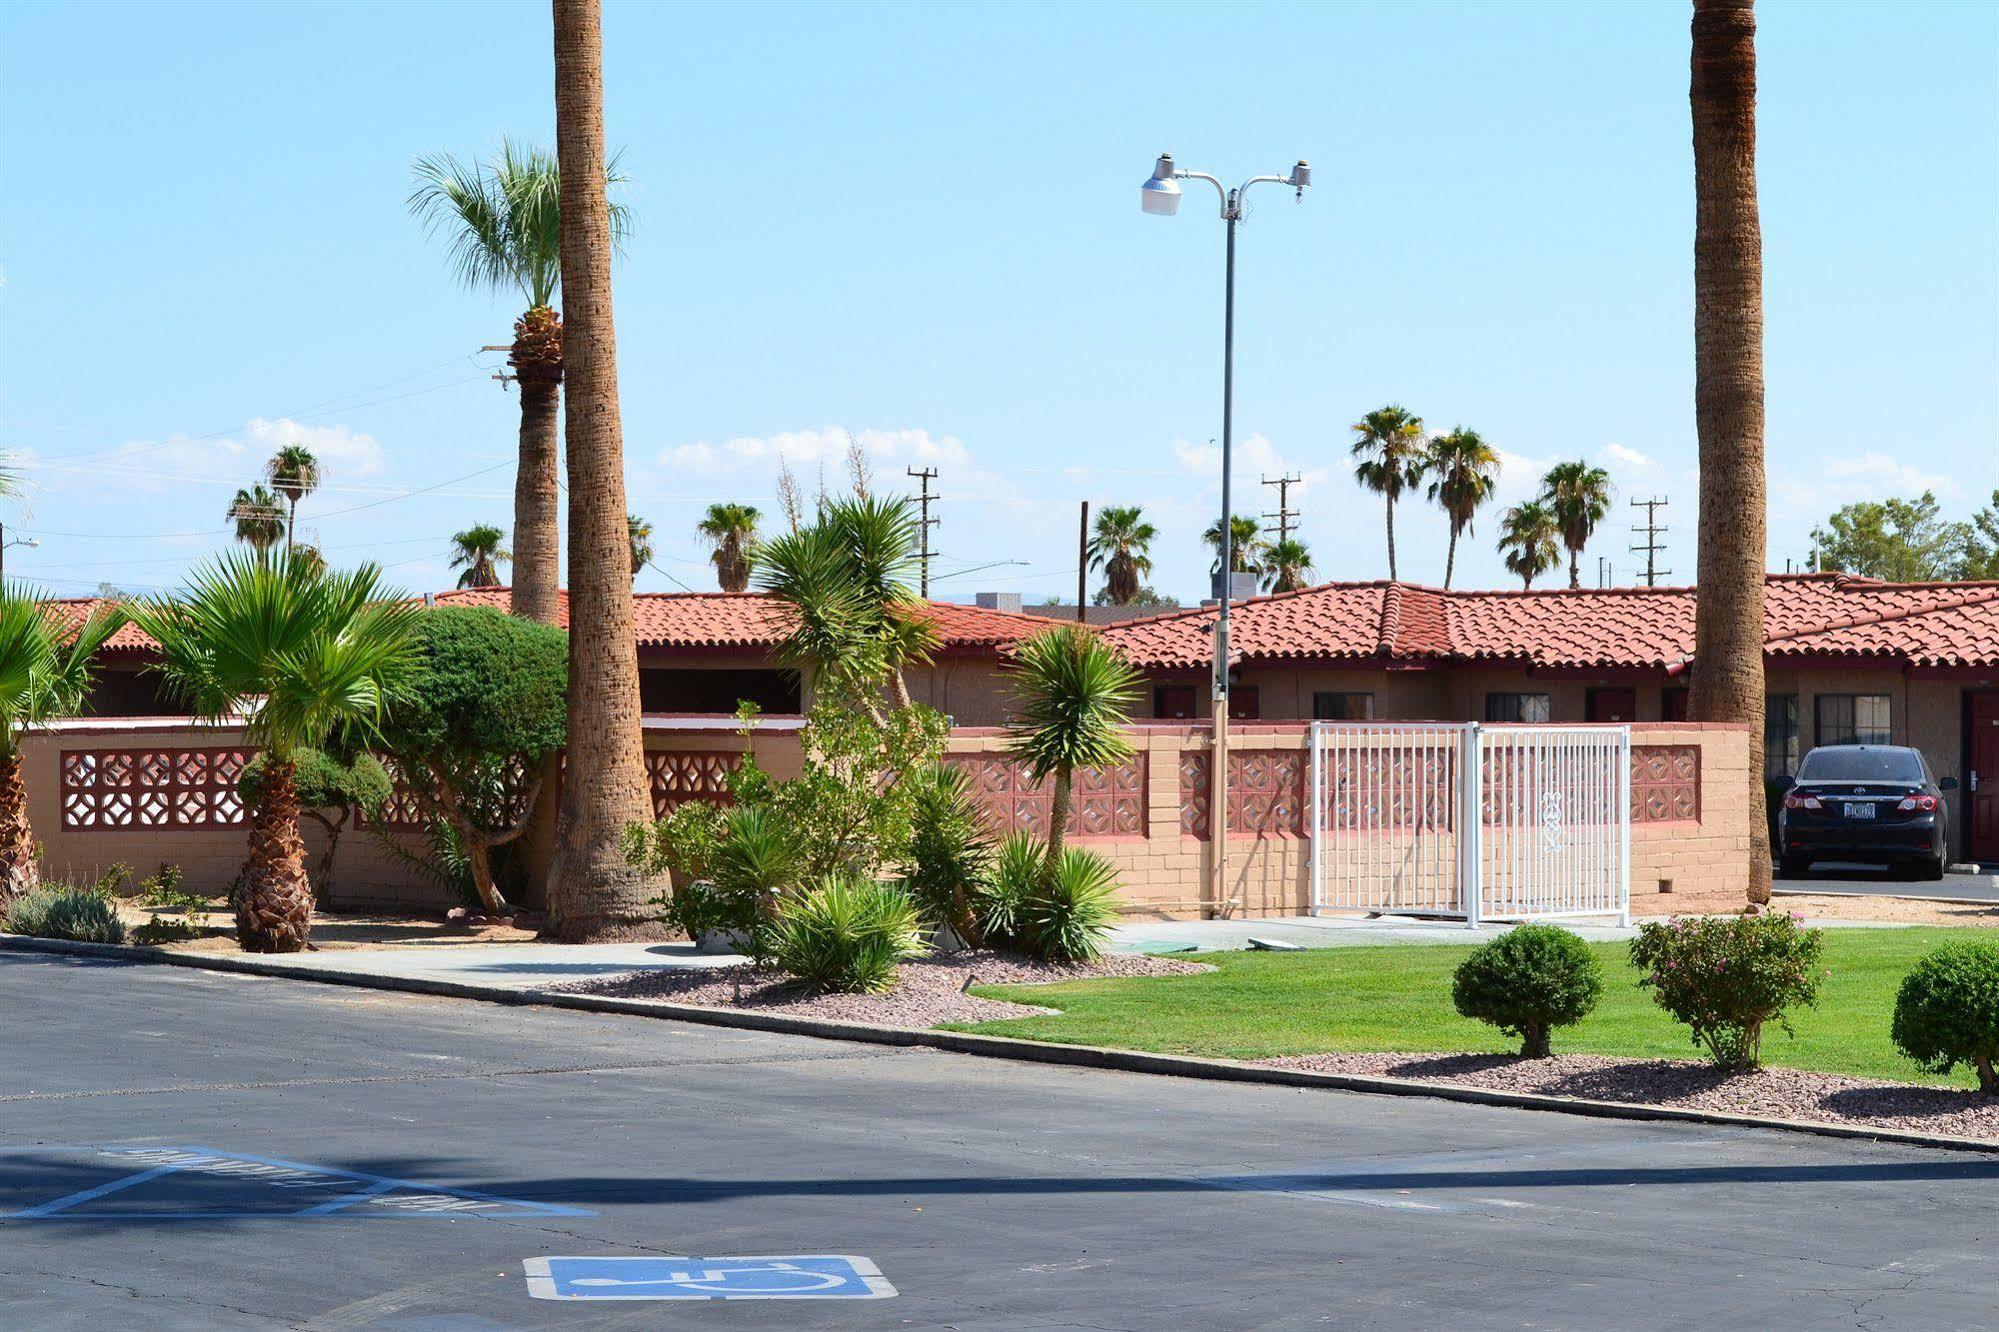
1780	735
1330	706
1173	702
1852	719
1863	765
1673	704
1245	703
1516	707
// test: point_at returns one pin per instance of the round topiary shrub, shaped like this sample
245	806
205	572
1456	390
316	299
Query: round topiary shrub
1529	981
848	935
1947	1011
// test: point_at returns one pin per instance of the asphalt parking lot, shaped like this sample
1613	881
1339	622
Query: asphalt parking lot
184	1149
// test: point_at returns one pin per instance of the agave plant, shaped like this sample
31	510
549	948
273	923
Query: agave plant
1072	696
303	658
45	671
848	935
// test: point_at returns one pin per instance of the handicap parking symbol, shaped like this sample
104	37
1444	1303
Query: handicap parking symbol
792	1277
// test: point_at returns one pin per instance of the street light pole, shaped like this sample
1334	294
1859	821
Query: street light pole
1160	195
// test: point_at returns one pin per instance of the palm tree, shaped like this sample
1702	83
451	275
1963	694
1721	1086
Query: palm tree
260	523
1463	470
1388	453
1728	680
304	658
638	535
504	223
477	551
594	892
45	670
1287	565
731	529
1579	497
1245	544
1530	541
293	472
310	557
1121	547
1072	695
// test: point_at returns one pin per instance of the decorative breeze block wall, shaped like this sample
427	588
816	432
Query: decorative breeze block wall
1106	802
1665	783
129	789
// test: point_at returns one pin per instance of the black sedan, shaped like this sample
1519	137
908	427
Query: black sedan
1879	804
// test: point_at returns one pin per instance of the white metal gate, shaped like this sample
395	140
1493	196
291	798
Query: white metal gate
1470	821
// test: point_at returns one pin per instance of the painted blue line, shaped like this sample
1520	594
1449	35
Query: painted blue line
415	1186
48	1208
359	1195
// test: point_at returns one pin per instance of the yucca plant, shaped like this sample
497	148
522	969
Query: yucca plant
1011	880
1071	911
950	850
1072	694
46	665
758	858
849	935
304	658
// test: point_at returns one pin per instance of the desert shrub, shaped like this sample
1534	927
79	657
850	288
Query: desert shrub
162	891
848	935
63	912
1529	981
1947	1011
1070	914
950	850
1000	899
1726	977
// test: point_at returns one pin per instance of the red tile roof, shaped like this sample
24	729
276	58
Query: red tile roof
1919	624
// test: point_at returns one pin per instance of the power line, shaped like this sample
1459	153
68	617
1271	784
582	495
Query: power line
1652	529
925	475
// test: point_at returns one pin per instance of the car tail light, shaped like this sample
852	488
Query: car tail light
1925	803
1795	801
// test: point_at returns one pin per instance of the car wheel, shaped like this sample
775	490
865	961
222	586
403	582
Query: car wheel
1931	870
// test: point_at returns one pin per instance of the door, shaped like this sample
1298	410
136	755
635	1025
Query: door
1981	778
1613	705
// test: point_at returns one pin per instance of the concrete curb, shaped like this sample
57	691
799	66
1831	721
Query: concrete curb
993	1047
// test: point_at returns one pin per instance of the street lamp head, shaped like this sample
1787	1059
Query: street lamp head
1301	176
1160	195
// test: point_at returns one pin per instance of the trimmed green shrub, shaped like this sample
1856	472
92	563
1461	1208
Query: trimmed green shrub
62	912
848	935
950	850
1947	1011
1000	900
1726	977
1071	912
1529	981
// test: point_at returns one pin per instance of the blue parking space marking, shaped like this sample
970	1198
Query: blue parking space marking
818	1276
126	1183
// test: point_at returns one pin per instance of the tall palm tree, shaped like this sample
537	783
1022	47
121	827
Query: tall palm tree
1072	695
1579	497
594	892
293	472
45	671
731	529
1388	459
1530	540
305	658
1245	544
503	220
1121	546
1287	565
260	521
1463	470
1728	681
477	550
638	536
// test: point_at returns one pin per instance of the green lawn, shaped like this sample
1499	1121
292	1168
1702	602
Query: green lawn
1399	998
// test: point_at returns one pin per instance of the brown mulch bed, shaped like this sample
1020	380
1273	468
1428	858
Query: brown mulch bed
929	992
1777	1093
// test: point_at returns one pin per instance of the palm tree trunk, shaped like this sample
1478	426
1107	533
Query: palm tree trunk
593	891
18	871
537	362
1058	818
1728	680
1450	557
1575	567
274	911
1390	506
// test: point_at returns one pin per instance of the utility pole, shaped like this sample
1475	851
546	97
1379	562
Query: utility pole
1286	516
1651	529
926	475
1083	566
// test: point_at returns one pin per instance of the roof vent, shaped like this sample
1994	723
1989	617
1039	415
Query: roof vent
1000	601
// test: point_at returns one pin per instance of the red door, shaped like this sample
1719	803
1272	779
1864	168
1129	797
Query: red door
1981	779
1613	705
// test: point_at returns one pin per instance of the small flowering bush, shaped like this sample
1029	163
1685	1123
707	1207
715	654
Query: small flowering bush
1726	976
1947	1011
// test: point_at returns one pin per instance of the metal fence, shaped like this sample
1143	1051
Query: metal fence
1470	821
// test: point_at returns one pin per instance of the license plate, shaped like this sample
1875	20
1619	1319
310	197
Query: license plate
1859	811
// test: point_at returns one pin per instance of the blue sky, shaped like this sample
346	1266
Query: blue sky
919	225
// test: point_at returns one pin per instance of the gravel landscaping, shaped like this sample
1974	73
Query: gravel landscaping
1778	1093
929	992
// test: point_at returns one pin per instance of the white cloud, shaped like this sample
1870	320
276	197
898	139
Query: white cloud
1630	457
807	449
1829	483
230	459
1255	458
343	454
